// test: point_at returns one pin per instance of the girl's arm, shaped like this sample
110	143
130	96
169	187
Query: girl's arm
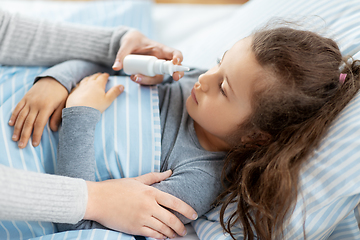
143	208
47	98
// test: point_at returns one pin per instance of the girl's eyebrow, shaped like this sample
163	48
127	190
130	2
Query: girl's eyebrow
226	77
223	55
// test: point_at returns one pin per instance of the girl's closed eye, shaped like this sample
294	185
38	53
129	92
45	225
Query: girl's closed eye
221	88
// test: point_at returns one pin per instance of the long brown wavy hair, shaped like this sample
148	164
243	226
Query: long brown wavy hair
295	110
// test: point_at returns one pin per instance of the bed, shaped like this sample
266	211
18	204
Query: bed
203	33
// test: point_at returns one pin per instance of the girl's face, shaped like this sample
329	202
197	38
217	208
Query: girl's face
220	100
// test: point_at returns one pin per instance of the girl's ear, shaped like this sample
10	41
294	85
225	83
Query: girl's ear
256	138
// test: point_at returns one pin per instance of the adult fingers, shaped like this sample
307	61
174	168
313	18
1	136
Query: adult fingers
177	75
151	178
177	59
160	227
128	43
148	232
169	220
146	80
169	201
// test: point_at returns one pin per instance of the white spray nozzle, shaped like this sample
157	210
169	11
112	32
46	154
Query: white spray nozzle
150	65
179	68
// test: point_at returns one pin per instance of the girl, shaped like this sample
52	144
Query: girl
267	104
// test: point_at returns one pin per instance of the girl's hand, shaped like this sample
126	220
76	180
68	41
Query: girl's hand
90	92
44	99
133	42
130	205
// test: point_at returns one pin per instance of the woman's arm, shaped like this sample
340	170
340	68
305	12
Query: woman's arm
34	196
33	42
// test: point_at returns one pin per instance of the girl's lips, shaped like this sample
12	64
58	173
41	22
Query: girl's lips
193	95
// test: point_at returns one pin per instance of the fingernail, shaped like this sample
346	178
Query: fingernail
35	143
10	121
117	65
195	216
20	144
173	236
137	79
184	233
178	60
14	137
121	88
179	75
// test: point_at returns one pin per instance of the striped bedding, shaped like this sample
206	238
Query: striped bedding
127	138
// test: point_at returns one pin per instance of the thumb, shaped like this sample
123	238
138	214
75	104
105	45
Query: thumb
152	178
56	118
124	50
114	92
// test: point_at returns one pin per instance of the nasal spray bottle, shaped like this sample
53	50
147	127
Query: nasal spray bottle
149	65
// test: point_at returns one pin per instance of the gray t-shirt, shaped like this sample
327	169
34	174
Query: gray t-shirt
196	172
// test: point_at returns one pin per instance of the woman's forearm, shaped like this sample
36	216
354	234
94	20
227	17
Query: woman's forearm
31	41
31	196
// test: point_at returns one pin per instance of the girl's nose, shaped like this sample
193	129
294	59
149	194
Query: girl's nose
202	83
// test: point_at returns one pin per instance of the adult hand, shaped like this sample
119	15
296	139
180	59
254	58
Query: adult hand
132	206
90	92
44	99
134	42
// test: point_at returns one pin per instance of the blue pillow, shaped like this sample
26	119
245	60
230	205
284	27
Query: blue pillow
330	181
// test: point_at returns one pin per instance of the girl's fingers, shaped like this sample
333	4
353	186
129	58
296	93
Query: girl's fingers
103	79
55	119
27	129
16	112
94	76
39	125
19	123
114	92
